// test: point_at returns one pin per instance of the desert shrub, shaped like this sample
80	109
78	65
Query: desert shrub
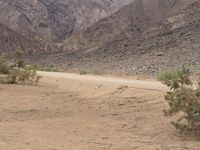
19	58
183	99
20	76
4	67
43	68
18	73
48	69
83	72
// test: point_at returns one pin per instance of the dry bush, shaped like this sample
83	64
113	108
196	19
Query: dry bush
20	76
183	99
17	73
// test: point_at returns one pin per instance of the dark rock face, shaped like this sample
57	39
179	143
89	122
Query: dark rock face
61	18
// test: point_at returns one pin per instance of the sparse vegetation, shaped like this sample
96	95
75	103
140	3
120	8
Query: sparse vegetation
17	73
19	58
94	72
83	72
183	99
4	67
20	76
97	72
44	68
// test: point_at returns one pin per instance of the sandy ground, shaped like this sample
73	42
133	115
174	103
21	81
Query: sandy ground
65	112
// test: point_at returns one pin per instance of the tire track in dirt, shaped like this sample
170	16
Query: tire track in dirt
149	85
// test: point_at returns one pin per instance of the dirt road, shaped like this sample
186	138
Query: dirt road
73	112
150	85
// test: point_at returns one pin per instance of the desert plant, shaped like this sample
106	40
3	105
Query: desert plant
43	68
183	99
48	69
20	76
4	67
19	58
17	73
83	72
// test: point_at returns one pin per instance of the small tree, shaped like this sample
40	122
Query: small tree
183	99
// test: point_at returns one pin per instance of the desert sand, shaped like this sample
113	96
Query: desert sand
73	112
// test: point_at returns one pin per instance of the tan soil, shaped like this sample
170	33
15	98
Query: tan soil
64	113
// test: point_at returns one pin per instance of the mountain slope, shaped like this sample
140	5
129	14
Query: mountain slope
168	43
54	19
130	21
40	25
10	40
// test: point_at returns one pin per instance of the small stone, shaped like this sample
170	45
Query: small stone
121	103
160	54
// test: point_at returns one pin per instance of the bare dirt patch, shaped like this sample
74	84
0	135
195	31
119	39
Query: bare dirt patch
67	114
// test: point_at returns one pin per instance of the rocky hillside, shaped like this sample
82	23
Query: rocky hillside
10	40
146	44
131	21
55	19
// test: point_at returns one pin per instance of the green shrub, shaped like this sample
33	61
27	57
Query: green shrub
19	58
41	68
83	72
94	72
49	69
4	67
183	99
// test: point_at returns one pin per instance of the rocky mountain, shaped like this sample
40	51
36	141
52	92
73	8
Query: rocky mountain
10	40
144	37
55	19
132	20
